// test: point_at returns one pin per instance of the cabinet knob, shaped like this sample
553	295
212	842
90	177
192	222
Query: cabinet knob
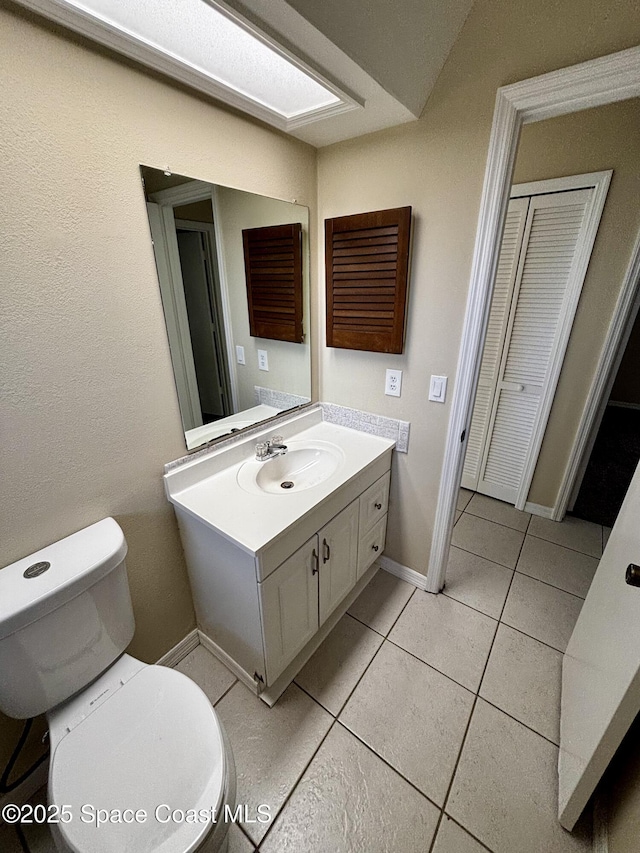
378	506
632	575
376	547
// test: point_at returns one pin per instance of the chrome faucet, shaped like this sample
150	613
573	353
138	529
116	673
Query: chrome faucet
271	448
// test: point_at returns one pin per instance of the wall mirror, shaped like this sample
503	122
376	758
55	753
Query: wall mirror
226	378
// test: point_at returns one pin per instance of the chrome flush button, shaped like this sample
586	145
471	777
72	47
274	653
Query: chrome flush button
36	570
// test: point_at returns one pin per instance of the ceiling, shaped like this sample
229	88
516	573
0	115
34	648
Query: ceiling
366	65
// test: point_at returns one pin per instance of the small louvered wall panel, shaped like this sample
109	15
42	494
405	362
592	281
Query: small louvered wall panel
554	225
367	262
494	341
273	270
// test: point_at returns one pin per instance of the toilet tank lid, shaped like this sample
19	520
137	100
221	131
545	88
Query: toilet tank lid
75	564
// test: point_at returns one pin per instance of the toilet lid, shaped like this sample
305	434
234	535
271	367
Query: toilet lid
155	747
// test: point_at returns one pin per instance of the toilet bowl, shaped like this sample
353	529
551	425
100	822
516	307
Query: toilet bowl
139	760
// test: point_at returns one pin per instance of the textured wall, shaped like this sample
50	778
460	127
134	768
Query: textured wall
437	166
89	409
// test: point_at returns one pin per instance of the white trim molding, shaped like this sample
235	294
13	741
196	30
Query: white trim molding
539	509
180	650
615	77
416	579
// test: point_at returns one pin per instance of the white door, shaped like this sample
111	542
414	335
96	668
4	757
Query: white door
289	602
601	667
509	420
338	558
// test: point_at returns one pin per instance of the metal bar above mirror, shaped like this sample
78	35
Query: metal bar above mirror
226	378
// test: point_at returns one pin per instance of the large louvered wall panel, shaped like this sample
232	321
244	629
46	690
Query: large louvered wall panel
367	262
273	270
494	341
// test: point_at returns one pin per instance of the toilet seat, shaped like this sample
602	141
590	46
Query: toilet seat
156	741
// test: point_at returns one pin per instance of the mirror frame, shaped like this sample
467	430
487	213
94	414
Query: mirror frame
611	78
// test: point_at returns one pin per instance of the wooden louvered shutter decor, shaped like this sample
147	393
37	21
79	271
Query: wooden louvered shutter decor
367	263
273	270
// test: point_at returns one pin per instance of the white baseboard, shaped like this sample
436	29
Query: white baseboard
229	662
403	572
181	649
622	405
538	509
600	825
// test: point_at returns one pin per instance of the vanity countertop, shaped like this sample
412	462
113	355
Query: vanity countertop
208	489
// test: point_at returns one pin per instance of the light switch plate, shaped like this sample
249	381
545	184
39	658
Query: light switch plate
240	355
393	383
263	359
438	389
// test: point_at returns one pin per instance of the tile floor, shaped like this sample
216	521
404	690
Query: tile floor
423	724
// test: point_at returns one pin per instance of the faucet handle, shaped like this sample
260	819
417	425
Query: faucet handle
262	449
277	439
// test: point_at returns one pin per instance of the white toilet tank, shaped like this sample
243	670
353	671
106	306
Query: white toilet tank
65	616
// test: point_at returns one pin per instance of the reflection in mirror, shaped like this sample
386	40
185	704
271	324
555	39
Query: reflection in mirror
226	379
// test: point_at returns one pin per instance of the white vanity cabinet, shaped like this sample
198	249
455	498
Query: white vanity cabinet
271	574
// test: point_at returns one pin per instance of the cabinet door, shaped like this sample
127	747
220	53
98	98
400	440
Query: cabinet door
338	558
289	598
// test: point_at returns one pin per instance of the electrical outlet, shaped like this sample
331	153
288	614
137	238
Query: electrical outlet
393	383
240	355
263	359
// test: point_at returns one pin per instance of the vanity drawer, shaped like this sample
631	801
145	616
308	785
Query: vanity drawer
371	545
374	503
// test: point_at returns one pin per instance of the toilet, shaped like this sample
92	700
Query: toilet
139	759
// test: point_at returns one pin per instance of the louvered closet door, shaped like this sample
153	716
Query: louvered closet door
496	332
538	306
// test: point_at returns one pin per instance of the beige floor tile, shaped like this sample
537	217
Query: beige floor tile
541	611
271	746
238	842
464	496
333	671
457	516
606	533
498	511
487	539
571	532
412	716
568	570
207	672
453	839
477	582
446	634
505	788
381	601
524	679
350	801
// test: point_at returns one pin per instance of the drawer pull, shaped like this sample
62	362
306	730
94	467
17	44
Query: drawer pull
378	506
327	551
315	568
376	547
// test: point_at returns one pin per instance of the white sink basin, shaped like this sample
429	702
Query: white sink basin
304	465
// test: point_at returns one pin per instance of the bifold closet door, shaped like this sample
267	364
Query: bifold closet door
539	304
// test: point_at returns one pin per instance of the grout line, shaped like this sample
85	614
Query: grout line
575	550
482	557
515	719
293	788
493	521
473	709
431	666
552	585
470	606
457	823
530	637
379	633
390	766
226	691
